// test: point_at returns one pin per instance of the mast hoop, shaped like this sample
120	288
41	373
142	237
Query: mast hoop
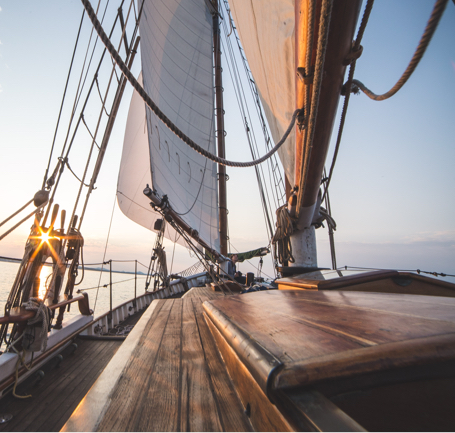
142	93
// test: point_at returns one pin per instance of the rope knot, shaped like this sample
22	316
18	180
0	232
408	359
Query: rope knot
353	55
301	119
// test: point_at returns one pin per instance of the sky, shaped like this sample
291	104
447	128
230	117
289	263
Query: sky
392	193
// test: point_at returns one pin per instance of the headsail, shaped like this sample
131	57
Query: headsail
177	70
135	170
266	29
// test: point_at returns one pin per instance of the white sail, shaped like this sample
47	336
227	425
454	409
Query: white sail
266	30
135	174
177	71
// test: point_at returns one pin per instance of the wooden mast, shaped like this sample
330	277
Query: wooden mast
341	33
220	132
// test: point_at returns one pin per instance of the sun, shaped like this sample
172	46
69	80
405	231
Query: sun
45	237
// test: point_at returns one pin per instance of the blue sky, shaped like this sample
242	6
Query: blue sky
393	185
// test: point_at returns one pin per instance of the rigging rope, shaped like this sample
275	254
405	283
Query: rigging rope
63	100
78	95
356	48
324	26
432	24
277	178
129	76
241	100
105	250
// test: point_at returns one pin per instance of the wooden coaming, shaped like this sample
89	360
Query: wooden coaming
385	281
263	414
335	338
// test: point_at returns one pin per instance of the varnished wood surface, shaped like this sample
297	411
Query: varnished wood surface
175	379
385	281
312	332
56	396
20	314
263	414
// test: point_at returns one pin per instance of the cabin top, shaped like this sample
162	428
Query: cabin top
299	338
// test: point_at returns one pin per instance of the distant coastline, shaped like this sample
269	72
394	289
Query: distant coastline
14	260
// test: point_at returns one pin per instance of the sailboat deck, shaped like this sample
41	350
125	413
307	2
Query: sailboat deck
55	397
168	376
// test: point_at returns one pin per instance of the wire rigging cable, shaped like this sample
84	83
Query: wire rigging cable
356	49
81	84
241	100
278	188
129	76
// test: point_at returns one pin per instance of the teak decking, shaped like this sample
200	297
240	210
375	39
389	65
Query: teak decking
279	361
168	376
56	396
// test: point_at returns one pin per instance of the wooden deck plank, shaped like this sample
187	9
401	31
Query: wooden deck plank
48	414
203	293
43	394
230	408
161	396
174	379
80	387
39	412
124	406
198	408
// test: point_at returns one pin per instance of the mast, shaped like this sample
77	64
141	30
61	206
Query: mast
220	132
309	173
341	33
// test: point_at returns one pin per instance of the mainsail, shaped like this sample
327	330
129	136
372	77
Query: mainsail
177	72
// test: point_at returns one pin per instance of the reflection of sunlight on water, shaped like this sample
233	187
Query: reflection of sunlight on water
122	287
45	273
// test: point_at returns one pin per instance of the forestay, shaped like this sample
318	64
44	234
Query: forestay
177	72
266	30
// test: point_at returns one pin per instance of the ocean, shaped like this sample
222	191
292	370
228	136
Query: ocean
122	287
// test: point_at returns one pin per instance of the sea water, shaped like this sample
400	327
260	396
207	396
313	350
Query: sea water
93	284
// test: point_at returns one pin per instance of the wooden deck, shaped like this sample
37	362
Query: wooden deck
168	376
280	361
56	396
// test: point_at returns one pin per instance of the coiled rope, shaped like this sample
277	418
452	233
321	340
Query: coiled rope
140	90
282	238
40	321
433	22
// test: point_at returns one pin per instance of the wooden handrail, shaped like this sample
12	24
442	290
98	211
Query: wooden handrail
20	314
